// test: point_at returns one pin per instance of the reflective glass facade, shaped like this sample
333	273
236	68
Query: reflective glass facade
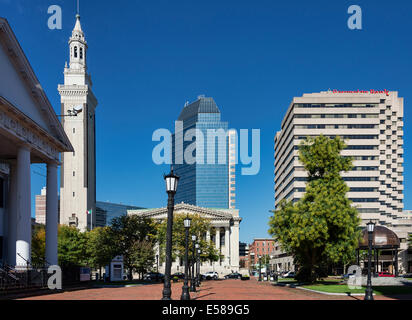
107	211
205	182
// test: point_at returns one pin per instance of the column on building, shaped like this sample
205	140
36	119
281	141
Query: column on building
217	242
23	234
208	235
227	246
217	239
12	217
234	241
51	215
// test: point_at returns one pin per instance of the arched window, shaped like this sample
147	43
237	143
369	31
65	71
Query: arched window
81	53
75	52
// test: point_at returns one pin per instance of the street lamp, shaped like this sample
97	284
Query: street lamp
252	262
198	271
369	291
197	246
260	268
185	289
192	283
171	188
157	263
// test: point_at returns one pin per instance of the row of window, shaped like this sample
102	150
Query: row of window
350	137
336	126
347	179
336	116
351	190
334	105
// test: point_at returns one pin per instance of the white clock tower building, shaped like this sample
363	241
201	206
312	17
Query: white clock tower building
78	171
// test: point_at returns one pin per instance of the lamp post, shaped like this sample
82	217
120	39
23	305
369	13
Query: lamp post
260	268
185	289
192	283
198	266
171	188
369	291
252	262
157	263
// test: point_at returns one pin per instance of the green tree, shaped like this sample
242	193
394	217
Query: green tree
38	245
198	227
134	238
100	247
72	247
322	227
143	255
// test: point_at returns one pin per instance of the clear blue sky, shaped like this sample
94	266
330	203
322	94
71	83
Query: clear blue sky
147	58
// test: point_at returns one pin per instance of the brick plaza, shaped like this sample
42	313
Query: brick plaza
210	290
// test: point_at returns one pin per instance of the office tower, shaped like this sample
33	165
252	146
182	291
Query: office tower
371	124
372	127
205	181
40	207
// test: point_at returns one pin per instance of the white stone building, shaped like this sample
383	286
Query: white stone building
78	174
30	132
224	233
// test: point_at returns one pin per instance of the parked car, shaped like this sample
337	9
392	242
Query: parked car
408	275
245	277
348	275
154	276
179	275
210	275
386	275
234	275
289	275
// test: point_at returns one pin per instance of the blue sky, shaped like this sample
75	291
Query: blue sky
147	58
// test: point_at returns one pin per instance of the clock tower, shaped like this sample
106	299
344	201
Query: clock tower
78	170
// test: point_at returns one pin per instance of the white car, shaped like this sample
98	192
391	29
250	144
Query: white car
210	275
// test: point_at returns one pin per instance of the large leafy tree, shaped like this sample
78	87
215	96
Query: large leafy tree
38	245
322	227
72	247
198	227
100	249
134	238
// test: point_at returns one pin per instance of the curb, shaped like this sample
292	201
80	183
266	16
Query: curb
334	294
289	285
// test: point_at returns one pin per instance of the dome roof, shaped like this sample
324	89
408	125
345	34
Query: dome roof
382	238
202	105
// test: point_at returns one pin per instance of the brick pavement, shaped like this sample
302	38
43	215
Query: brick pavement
210	290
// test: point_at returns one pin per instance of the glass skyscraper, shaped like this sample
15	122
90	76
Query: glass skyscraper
204	182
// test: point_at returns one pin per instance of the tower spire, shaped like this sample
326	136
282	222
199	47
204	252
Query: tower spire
78	46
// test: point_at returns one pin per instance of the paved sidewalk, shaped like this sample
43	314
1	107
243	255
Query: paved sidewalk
210	290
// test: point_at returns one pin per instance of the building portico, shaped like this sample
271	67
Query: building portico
223	233
30	132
